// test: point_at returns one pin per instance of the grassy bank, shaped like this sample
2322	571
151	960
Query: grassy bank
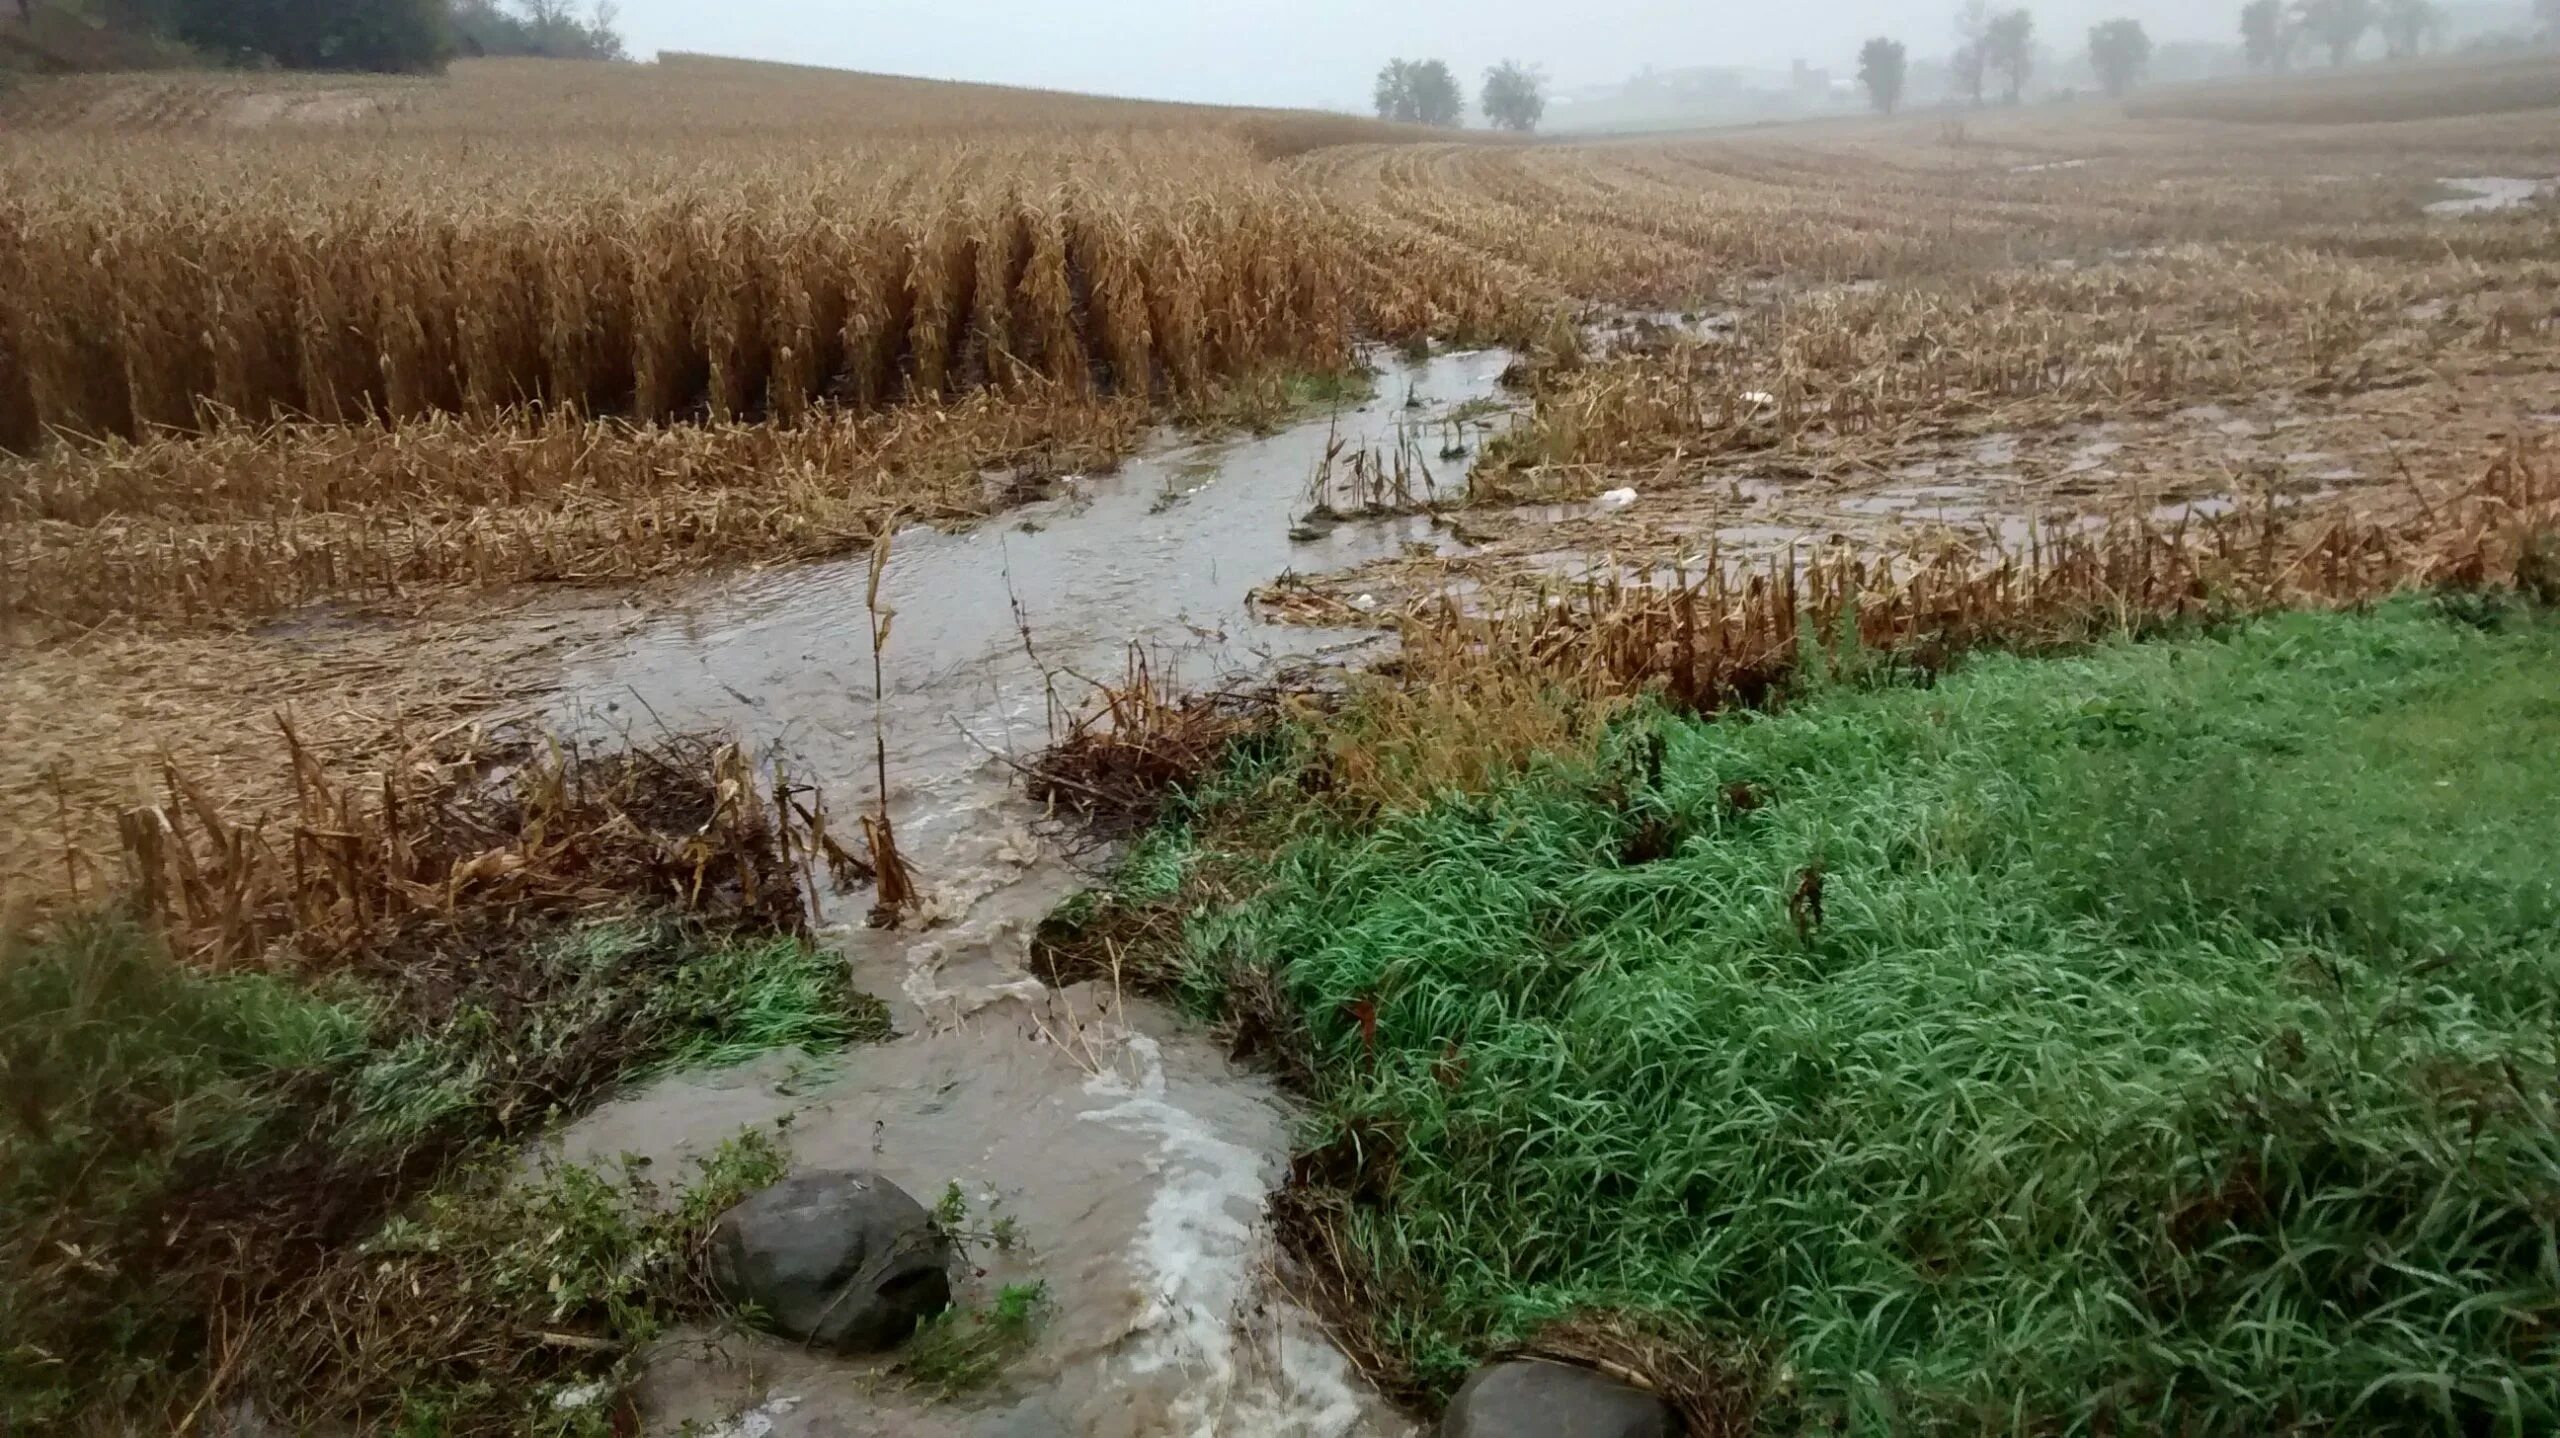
2160	1038
195	1170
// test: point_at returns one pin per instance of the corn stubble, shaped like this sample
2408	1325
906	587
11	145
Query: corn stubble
662	337
1479	689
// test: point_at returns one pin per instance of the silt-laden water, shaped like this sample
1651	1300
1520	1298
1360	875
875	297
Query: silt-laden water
1133	1159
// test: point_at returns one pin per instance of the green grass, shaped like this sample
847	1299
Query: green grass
606	1250
966	1348
2177	1049
168	1136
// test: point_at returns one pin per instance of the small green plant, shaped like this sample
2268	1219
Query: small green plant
951	1213
967	1348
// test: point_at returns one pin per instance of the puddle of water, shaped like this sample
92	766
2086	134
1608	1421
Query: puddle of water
1140	1186
2481	194
1652	331
1543	513
1764	536
2209	506
1996	451
2017	530
2093	456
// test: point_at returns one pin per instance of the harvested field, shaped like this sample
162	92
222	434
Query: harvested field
2409	90
345	423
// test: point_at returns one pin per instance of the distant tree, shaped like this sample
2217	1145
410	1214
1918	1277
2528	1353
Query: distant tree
545	28
2337	24
2269	35
2409	26
1882	67
2118	51
1515	96
1394	94
390	35
1966	69
1419	92
1972	59
2547	13
2009	48
1437	100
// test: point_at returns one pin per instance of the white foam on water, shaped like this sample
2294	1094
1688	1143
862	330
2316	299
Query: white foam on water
1197	1254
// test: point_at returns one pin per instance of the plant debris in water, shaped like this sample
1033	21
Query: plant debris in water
967	1347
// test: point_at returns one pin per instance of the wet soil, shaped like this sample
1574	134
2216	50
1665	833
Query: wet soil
1992	491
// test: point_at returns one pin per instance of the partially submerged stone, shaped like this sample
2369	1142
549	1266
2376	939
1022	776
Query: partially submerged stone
840	1259
1530	1398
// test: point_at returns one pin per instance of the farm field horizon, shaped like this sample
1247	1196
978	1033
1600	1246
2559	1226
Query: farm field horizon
559	578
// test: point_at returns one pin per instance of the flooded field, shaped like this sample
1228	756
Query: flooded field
942	437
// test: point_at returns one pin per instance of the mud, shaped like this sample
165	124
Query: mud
1134	1161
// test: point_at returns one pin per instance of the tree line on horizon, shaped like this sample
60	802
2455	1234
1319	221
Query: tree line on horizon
1426	92
395	36
2000	44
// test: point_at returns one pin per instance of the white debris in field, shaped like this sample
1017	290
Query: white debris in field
1365	603
581	1396
1617	499
1758	396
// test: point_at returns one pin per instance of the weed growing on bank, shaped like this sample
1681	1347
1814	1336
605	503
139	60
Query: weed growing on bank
193	1165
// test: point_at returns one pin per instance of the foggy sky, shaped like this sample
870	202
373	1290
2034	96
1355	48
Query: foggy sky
1323	52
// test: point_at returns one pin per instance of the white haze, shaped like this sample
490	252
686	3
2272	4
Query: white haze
1321	53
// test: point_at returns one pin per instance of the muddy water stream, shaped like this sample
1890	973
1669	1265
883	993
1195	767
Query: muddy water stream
1132	1158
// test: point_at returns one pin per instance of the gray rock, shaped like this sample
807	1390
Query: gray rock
844	1260
1533	1399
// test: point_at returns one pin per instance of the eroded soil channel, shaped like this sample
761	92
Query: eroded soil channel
1131	1158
